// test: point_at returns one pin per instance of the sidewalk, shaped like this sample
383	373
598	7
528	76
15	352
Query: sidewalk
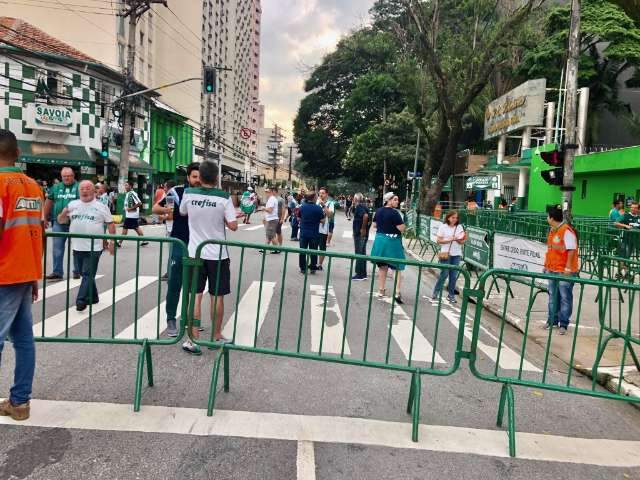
608	373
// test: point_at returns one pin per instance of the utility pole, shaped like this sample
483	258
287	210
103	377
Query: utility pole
275	150
384	160
210	88
134	10
414	180
208	134
571	143
289	184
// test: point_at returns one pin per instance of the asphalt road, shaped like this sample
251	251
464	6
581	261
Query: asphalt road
290	418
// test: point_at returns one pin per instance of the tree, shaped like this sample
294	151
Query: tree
460	44
610	45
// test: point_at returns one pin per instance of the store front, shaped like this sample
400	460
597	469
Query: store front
43	161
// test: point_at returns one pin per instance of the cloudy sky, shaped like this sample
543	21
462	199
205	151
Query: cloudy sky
296	34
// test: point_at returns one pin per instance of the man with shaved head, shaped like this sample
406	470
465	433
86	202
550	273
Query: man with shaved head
89	217
60	196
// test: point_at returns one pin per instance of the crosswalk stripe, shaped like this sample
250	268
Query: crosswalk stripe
509	359
401	332
247	308
61	287
147	325
55	325
255	227
332	336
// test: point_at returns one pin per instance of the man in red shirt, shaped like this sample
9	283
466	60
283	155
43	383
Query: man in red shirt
21	243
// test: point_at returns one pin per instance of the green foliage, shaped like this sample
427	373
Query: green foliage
610	45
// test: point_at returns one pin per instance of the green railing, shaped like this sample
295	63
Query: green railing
103	322
511	368
366	318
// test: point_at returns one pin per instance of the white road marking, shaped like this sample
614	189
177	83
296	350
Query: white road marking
306	461
334	323
55	325
509	359
247	308
254	227
342	430
57	288
147	325
401	332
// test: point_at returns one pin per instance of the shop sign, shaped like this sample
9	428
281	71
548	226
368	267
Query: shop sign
517	253
483	182
423	228
477	251
50	117
521	107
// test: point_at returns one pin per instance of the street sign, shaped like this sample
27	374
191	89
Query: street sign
245	133
410	175
434	226
477	251
517	253
482	182
423	228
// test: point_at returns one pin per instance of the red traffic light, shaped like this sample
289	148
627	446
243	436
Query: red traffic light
554	158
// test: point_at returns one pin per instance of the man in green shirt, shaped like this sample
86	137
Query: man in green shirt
617	212
630	222
60	195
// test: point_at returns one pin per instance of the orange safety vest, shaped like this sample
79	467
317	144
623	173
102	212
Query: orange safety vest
557	253
21	241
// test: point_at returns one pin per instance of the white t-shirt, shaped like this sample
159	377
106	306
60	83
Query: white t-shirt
207	209
88	218
570	240
446	232
131	199
324	227
272	203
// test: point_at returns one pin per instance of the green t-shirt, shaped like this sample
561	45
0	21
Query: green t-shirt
615	215
61	195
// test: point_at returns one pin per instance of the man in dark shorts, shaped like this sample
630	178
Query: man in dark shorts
209	211
132	204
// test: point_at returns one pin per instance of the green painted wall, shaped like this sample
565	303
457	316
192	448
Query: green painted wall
163	126
598	176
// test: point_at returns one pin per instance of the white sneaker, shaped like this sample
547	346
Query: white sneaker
189	347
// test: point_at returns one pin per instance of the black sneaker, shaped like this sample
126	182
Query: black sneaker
76	276
80	307
144	244
53	277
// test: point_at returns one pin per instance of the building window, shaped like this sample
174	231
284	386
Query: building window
121	60
583	194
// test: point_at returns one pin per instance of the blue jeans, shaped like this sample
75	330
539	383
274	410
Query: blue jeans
295	224
310	242
560	301
58	251
360	247
448	272
17	323
88	263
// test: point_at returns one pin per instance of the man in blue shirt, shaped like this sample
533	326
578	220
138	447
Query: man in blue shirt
360	234
311	216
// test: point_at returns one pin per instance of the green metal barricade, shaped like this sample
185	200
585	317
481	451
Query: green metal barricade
103	322
361	338
511	368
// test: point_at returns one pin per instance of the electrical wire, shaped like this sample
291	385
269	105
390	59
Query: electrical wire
56	8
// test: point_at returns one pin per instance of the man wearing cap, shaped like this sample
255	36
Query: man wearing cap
561	260
248	204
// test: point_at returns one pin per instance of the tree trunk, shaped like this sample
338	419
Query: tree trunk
432	196
436	150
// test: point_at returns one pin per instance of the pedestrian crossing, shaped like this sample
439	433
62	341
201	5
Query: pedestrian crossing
60	287
323	329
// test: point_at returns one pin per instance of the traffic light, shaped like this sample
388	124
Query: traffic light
555	158
209	81
104	151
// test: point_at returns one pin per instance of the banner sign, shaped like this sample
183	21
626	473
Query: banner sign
434	227
517	253
483	182
40	116
476	250
521	107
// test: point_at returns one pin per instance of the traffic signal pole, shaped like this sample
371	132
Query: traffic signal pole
571	140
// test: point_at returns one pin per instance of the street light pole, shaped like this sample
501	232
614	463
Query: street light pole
571	144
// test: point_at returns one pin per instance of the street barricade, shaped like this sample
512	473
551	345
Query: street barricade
510	368
362	337
103	322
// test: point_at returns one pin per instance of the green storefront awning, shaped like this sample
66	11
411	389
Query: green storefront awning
135	164
54	154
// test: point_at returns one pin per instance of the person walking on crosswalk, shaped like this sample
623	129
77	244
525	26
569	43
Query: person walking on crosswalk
271	218
21	243
132	204
311	218
209	211
360	235
389	226
325	230
88	216
170	206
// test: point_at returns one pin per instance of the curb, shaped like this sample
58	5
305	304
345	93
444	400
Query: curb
604	379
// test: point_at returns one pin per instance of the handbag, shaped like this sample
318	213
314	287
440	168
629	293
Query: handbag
444	256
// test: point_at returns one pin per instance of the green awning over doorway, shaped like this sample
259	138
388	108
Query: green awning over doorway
54	154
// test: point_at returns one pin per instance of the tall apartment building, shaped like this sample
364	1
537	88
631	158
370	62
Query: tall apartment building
231	39
172	44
